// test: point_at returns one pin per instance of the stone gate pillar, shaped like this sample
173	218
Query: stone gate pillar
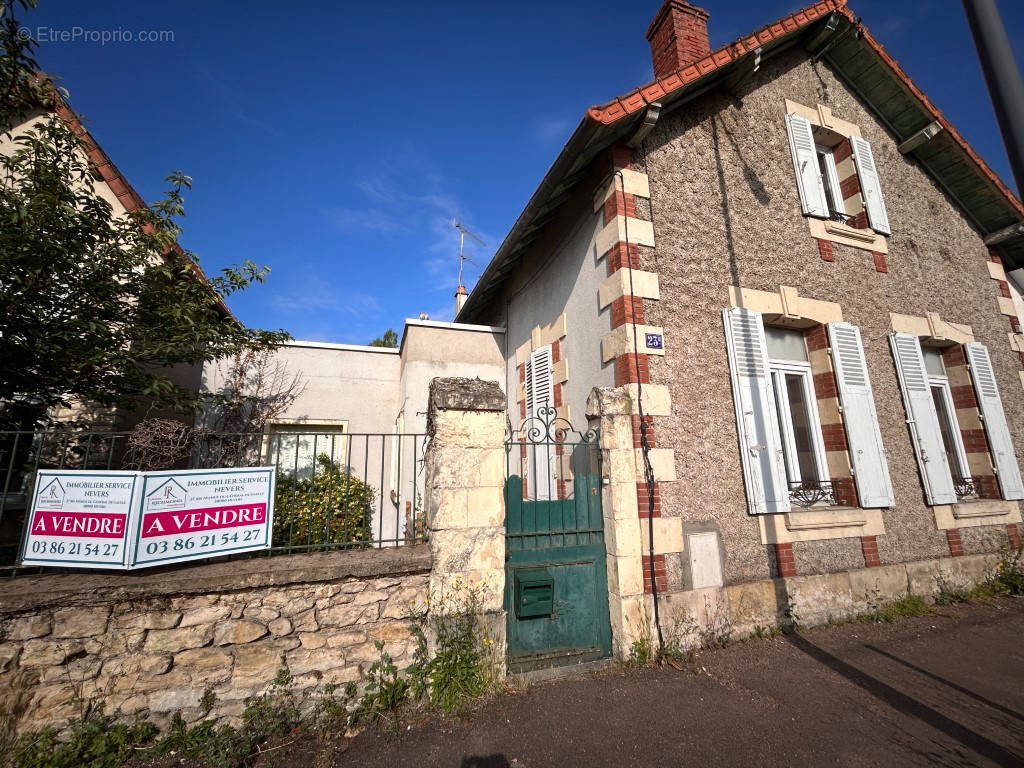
464	498
612	409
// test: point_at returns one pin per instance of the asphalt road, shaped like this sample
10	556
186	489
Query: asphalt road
943	690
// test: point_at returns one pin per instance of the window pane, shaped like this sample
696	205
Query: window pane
947	425
933	361
826	181
294	451
779	385
798	408
785	344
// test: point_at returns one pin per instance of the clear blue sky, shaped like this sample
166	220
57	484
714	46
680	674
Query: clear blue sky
334	141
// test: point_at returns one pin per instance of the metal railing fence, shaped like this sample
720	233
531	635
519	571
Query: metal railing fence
335	490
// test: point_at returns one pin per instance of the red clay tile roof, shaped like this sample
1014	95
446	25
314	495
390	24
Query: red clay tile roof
637	100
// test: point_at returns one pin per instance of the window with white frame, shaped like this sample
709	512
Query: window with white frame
830	181
782	451
298	448
817	177
949	427
933	423
796	409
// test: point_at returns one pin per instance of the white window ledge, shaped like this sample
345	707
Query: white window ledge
837	232
821	523
825	517
970	514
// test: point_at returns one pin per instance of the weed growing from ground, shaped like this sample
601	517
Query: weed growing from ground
791	616
718	630
385	691
904	607
680	639
419	670
331	707
462	668
272	714
641	652
762	632
1008	578
94	741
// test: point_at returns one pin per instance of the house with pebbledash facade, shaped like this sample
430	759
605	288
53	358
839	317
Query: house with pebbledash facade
759	334
789	271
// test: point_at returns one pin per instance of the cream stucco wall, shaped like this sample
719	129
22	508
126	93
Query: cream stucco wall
380	396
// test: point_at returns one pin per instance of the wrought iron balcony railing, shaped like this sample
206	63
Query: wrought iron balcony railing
810	493
967	487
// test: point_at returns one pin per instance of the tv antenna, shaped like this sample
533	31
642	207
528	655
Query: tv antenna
464	232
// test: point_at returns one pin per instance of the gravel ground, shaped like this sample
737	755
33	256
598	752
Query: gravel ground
946	689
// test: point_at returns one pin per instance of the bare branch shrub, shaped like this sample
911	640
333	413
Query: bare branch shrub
157	444
256	390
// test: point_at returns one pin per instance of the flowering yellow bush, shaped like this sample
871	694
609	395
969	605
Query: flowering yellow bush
330	508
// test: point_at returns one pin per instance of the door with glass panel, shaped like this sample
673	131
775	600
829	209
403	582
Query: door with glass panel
797	413
949	426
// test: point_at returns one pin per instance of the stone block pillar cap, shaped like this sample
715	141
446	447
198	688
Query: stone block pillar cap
608	401
460	394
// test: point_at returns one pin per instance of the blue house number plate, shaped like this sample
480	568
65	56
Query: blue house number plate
654	341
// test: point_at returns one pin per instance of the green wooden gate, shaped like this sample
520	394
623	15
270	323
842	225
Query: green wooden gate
556	591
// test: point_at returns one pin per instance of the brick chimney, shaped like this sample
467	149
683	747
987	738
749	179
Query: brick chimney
678	36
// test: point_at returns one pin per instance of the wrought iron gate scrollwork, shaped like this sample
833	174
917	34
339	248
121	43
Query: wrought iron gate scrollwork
546	445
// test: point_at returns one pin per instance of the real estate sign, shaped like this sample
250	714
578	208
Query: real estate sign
201	513
80	519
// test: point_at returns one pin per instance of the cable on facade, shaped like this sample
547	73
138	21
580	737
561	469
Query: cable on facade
645	446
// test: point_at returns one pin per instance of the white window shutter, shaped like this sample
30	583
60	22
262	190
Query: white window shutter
867	454
990	404
541	459
764	468
805	163
923	419
870	186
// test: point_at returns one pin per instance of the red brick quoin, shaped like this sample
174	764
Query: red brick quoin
825	249
621	257
1013	532
660	574
784	557
627	309
643	500
956	545
869	546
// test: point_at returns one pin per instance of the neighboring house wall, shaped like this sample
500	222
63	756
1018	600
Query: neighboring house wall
552	298
430	349
727	213
337	382
378	397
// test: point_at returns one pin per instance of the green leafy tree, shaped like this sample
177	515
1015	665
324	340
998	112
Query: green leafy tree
330	506
95	307
389	339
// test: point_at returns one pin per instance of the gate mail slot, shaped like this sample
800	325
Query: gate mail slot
535	591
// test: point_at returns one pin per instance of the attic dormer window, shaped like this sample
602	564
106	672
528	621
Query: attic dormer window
836	174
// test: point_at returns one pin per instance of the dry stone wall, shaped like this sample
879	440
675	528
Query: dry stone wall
156	646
